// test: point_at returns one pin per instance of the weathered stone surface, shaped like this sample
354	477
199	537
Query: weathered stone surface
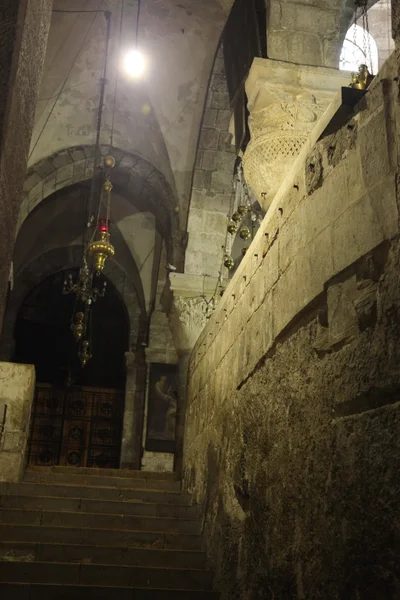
17	386
24	31
293	412
284	103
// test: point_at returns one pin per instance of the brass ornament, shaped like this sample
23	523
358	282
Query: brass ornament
232	227
236	217
244	250
362	79
109	162
107	186
84	354
245	233
100	250
242	210
78	327
229	262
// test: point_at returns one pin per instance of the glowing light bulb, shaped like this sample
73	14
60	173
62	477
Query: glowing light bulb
134	63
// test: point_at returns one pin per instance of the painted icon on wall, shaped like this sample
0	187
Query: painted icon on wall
163	397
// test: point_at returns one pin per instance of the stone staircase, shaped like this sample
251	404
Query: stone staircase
100	534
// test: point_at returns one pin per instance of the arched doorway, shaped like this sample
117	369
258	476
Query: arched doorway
77	415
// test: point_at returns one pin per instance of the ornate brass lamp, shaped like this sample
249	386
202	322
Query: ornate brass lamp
78	328
101	249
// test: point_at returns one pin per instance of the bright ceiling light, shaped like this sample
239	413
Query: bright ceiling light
134	63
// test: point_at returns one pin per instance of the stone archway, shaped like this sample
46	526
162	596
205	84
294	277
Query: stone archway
133	174
51	262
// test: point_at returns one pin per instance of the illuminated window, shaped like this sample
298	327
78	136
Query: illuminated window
359	47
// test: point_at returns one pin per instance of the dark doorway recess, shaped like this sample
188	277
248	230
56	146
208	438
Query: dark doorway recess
43	336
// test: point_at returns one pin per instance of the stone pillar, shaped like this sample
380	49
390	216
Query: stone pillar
17	388
128	458
24	27
396	29
285	102
190	310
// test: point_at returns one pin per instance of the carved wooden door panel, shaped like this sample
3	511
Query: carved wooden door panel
77	427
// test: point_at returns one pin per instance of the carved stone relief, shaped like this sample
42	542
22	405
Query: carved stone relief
285	103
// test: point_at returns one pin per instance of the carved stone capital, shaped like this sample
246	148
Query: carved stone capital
188	317
285	102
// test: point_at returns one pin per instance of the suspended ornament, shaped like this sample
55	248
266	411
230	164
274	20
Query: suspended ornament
78	327
243	210
236	217
244	250
84	354
101	249
109	162
361	79
229	262
232	227
245	233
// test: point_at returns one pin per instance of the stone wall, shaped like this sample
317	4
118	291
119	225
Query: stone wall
212	182
307	33
291	439
17	386
24	27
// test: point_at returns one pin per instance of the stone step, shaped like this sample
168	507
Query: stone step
117	555
103	493
131	474
15	591
134	508
108	575
96	536
99	520
100	481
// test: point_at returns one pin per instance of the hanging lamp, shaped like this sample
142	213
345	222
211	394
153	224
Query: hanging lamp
97	247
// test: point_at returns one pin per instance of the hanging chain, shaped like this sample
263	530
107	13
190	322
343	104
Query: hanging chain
366	49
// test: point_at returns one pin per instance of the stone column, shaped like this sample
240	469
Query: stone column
128	458
285	102
190	310
24	28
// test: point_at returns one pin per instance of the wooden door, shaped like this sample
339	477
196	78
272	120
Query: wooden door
77	427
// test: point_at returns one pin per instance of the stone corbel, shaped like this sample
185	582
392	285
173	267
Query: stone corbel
285	102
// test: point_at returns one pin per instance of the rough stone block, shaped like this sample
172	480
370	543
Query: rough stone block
219	84
277	45
221	181
49	185
17	385
65	174
311	19
44	168
373	145
305	48
223	119
209	160
31	181
61	159
349	242
210	117
225	142
220	100
208	139
201	180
